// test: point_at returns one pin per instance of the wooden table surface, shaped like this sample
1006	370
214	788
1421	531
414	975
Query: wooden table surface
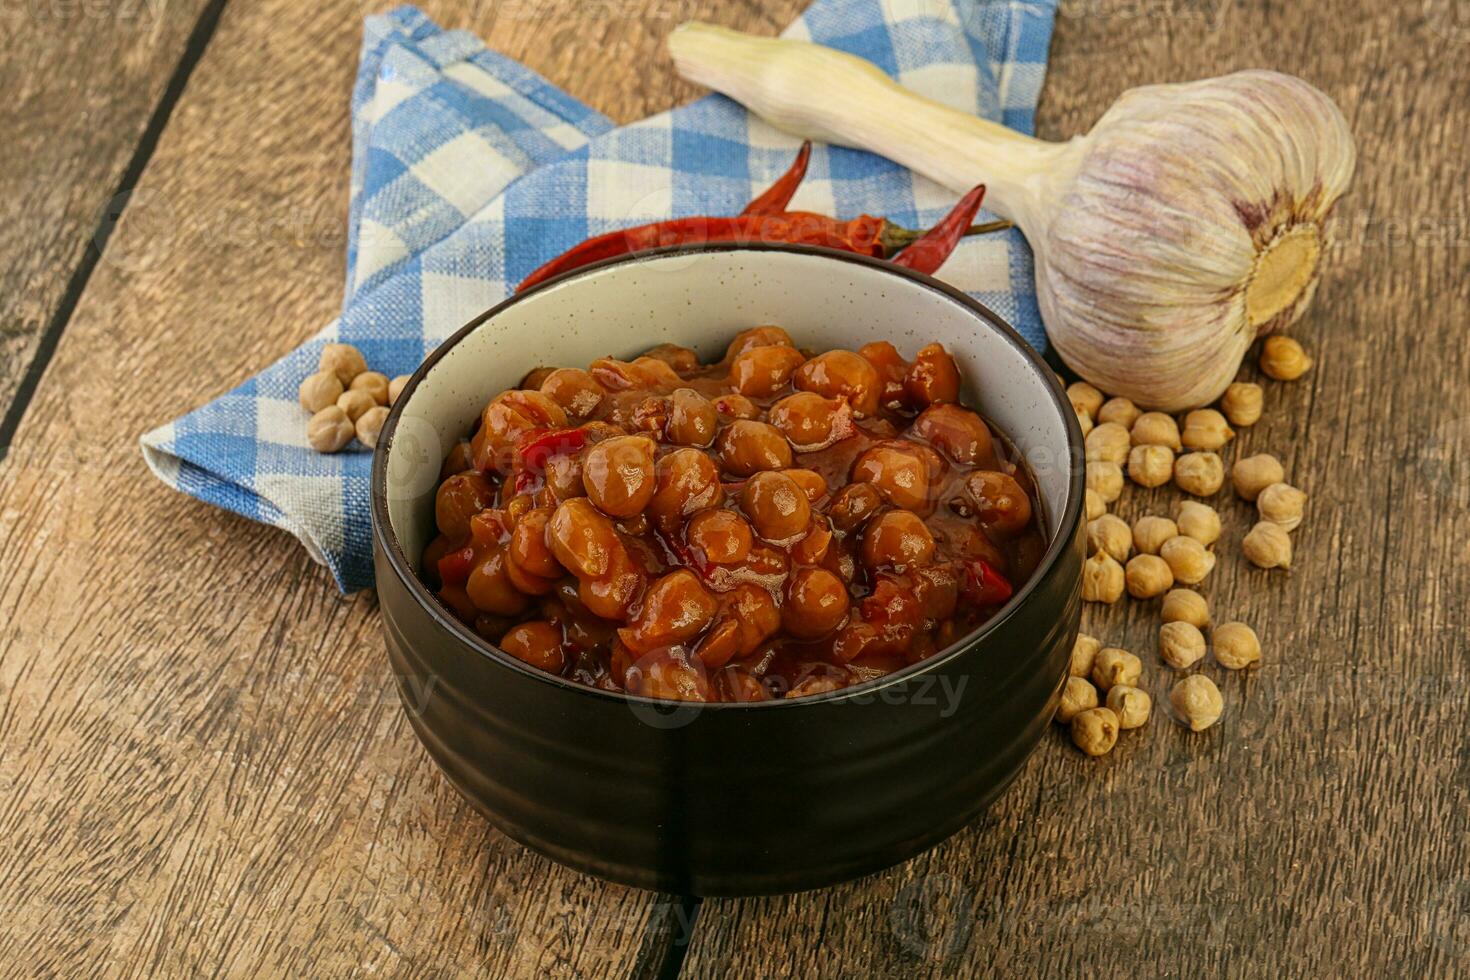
204	771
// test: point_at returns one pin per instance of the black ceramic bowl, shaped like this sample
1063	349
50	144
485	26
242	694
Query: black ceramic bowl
728	799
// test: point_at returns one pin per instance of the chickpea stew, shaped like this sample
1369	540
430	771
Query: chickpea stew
777	524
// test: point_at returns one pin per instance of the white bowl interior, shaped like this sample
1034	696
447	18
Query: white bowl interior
701	300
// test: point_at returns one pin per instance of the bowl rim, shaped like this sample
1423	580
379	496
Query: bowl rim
384	537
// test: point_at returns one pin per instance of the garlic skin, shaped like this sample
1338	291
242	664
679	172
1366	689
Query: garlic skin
1191	219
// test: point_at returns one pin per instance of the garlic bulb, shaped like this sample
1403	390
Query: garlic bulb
1190	220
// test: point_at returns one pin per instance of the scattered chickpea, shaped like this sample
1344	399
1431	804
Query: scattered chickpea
1085	421
1186	606
1255	473
1095	731
1155	429
1196	702
1110	535
1131	705
1150	466
329	430
1105	479
370	424
1189	560
395	388
1078	695
320	390
1093	505
1236	646
375	383
1115	665
1085	398
1084	652
1108	443
1150	533
1198	521
1181	644
1102	578
1148	576
1282	503
1120	411
1242	403
1200	474
354	403
1205	428
1284	359
1268	545
343	360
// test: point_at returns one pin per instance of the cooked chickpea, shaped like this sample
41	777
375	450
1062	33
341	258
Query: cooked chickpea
575	390
1186	606
1078	695
1147	576
1093	505
582	538
681	359
370	424
898	473
1196	702
754	609
816	603
675	609
1114	666
343	360
510	417
692	419
1255	473
613	594
812	483
320	390
1267	545
1001	505
1281	503
528	545
720	535
619	476
490	587
1120	411
375	383
807	419
842	374
762	371
1198	521
1085	398
1105	479
686	482
537	643
1095	731
1110	535
1102	578
329	430
776	506
1284	359
1200	474
1084	651
891	368
957	432
933	377
1181	644
897	538
853	506
1150	533
733	406
668	675
459	498
746	448
1131	705
1155	429
395	388
1150	466
1242	403
1187	559
768	336
1108	443
1236	646
354	403
1205	428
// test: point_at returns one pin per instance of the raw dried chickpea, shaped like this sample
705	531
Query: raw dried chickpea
1205	428
343	360
1200	474
1236	646
1155	429
1085	398
1242	402
375	383
320	390
395	388
1150	533
1196	702
1268	545
1119	410
1186	606
1148	576
1114	666
1281	503
329	430
1284	359
1078	695
1198	521
1105	479
1093	505
1255	473
370	424
1150	466
1095	731
1110	534
354	403
1181	644
1102	578
1189	560
1085	421
1108	443
1131	705
1084	652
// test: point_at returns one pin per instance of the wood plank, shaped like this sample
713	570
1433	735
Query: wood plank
82	82
204	770
1323	825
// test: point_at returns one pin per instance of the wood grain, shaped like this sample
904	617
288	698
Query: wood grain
1323	826
81	82
203	768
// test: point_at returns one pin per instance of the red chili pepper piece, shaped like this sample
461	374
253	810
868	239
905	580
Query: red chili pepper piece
928	253
454	568
984	586
538	448
778	195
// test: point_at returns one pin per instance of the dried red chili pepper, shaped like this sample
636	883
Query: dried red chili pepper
928	253
984	586
778	195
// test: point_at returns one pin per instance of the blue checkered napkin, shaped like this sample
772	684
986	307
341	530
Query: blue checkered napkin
469	171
